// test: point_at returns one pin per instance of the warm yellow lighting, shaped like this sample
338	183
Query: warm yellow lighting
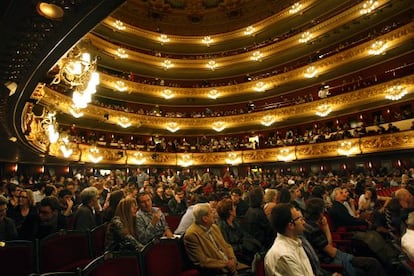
310	72
368	6
167	64
219	126
119	25
124	122
207	40
249	30
233	158
172	126
185	160
295	8
76	112
138	158
94	155
167	94
66	151
50	11
120	86
323	110
377	48
396	92
213	94
212	65
268	120
305	37
121	53
347	148
51	127
260	86
257	56
163	38
80	100
286	155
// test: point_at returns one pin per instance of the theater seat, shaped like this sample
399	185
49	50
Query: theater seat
97	236
114	264
18	258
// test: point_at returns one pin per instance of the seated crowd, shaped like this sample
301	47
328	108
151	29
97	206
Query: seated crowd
293	221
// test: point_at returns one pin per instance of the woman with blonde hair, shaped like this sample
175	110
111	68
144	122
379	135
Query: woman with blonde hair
270	201
121	233
25	210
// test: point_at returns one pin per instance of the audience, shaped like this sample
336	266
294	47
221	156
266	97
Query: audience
7	228
407	240
85	217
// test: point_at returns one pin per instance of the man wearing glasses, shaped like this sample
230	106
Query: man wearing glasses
286	256
7	228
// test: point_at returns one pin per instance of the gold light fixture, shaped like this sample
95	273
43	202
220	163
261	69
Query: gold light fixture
219	126
213	94
65	147
50	126
167	64
75	111
124	122
396	92
185	160
368	6
212	65
260	86
305	37
167	94
163	38
257	56
268	120
310	72
120	86
233	158
121	53
94	155
295	8
138	158
249	30
323	110
377	48
172	126
286	155
49	10
207	40
347	148
119	25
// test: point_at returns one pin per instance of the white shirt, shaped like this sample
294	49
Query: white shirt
287	257
407	243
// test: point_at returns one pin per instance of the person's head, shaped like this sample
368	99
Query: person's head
179	192
50	190
318	191
410	220
3	207
270	196
236	194
405	198
226	208
70	185
287	220
145	201
48	209
65	195
285	196
115	198
256	197
89	196
338	195
295	191
368	193
160	191
126	211
26	198
203	214
213	200
314	209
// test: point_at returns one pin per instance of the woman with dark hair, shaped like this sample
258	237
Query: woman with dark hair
255	221
284	195
114	198
121	233
243	244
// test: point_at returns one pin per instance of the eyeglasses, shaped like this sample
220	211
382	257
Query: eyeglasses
296	219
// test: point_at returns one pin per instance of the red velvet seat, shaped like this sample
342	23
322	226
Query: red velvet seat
173	221
18	258
98	239
165	257
114	264
64	251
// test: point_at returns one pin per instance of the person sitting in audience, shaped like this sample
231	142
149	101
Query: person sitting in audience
241	205
66	202
151	222
178	204
25	210
159	198
407	240
317	232
85	216
121	233
7	228
287	257
109	211
206	246
244	245
48	221
188	218
270	201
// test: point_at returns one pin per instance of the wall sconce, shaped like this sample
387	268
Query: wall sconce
323	110
213	94
167	94
347	148
257	56
138	158
212	65
120	86
163	38
286	155
295	8
396	92
378	48
207	40
94	155
268	120
124	122
310	72
233	158
119	25
305	37
172	126
260	86
368	7
249	30
167	64
121	53
75	111
219	126
185	160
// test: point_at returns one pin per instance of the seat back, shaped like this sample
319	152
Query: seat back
18	258
98	239
65	250
114	264
258	267
173	221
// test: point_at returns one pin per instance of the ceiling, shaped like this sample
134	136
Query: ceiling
34	44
